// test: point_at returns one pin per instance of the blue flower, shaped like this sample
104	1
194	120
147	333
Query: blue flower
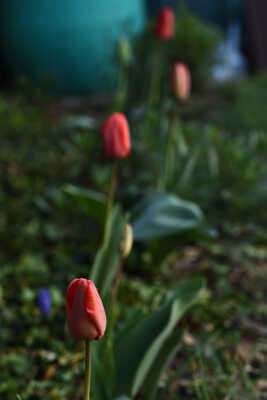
44	301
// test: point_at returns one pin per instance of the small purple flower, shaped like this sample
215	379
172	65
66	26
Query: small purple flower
44	301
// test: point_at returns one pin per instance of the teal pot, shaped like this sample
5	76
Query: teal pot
71	42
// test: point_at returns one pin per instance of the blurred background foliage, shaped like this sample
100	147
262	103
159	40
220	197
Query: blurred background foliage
194	44
52	196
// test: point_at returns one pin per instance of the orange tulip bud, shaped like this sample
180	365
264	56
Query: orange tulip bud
86	316
181	81
116	136
165	24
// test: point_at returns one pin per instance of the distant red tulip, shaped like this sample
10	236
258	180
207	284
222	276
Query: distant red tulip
86	316
116	136
181	81
165	24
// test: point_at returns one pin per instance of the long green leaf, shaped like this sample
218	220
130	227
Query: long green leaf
151	354
162	214
93	203
108	257
138	351
101	377
161	364
189	167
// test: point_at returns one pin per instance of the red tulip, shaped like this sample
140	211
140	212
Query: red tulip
181	81
86	316
116	136
165	24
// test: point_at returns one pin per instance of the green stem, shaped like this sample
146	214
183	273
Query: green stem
111	310
121	95
114	292
169	155
156	75
111	193
87	383
154	93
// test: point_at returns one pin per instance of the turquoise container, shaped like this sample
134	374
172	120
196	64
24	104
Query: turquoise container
72	42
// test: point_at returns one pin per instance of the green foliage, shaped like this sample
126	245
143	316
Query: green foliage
159	215
221	171
248	99
93	203
143	352
122	398
107	259
194	44
228	177
151	340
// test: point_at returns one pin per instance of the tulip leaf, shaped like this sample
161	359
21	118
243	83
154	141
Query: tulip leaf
102	373
108	257
123	398
79	122
162	214
161	364
151	355
138	352
189	167
93	203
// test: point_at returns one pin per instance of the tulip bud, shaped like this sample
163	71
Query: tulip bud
181	81
44	301
127	242
165	24
86	316
116	136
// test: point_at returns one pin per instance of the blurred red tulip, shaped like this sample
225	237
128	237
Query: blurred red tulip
86	316
181	81
116	136
165	24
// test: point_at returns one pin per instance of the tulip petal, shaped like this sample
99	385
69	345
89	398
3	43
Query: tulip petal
116	136
86	316
95	309
165	24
